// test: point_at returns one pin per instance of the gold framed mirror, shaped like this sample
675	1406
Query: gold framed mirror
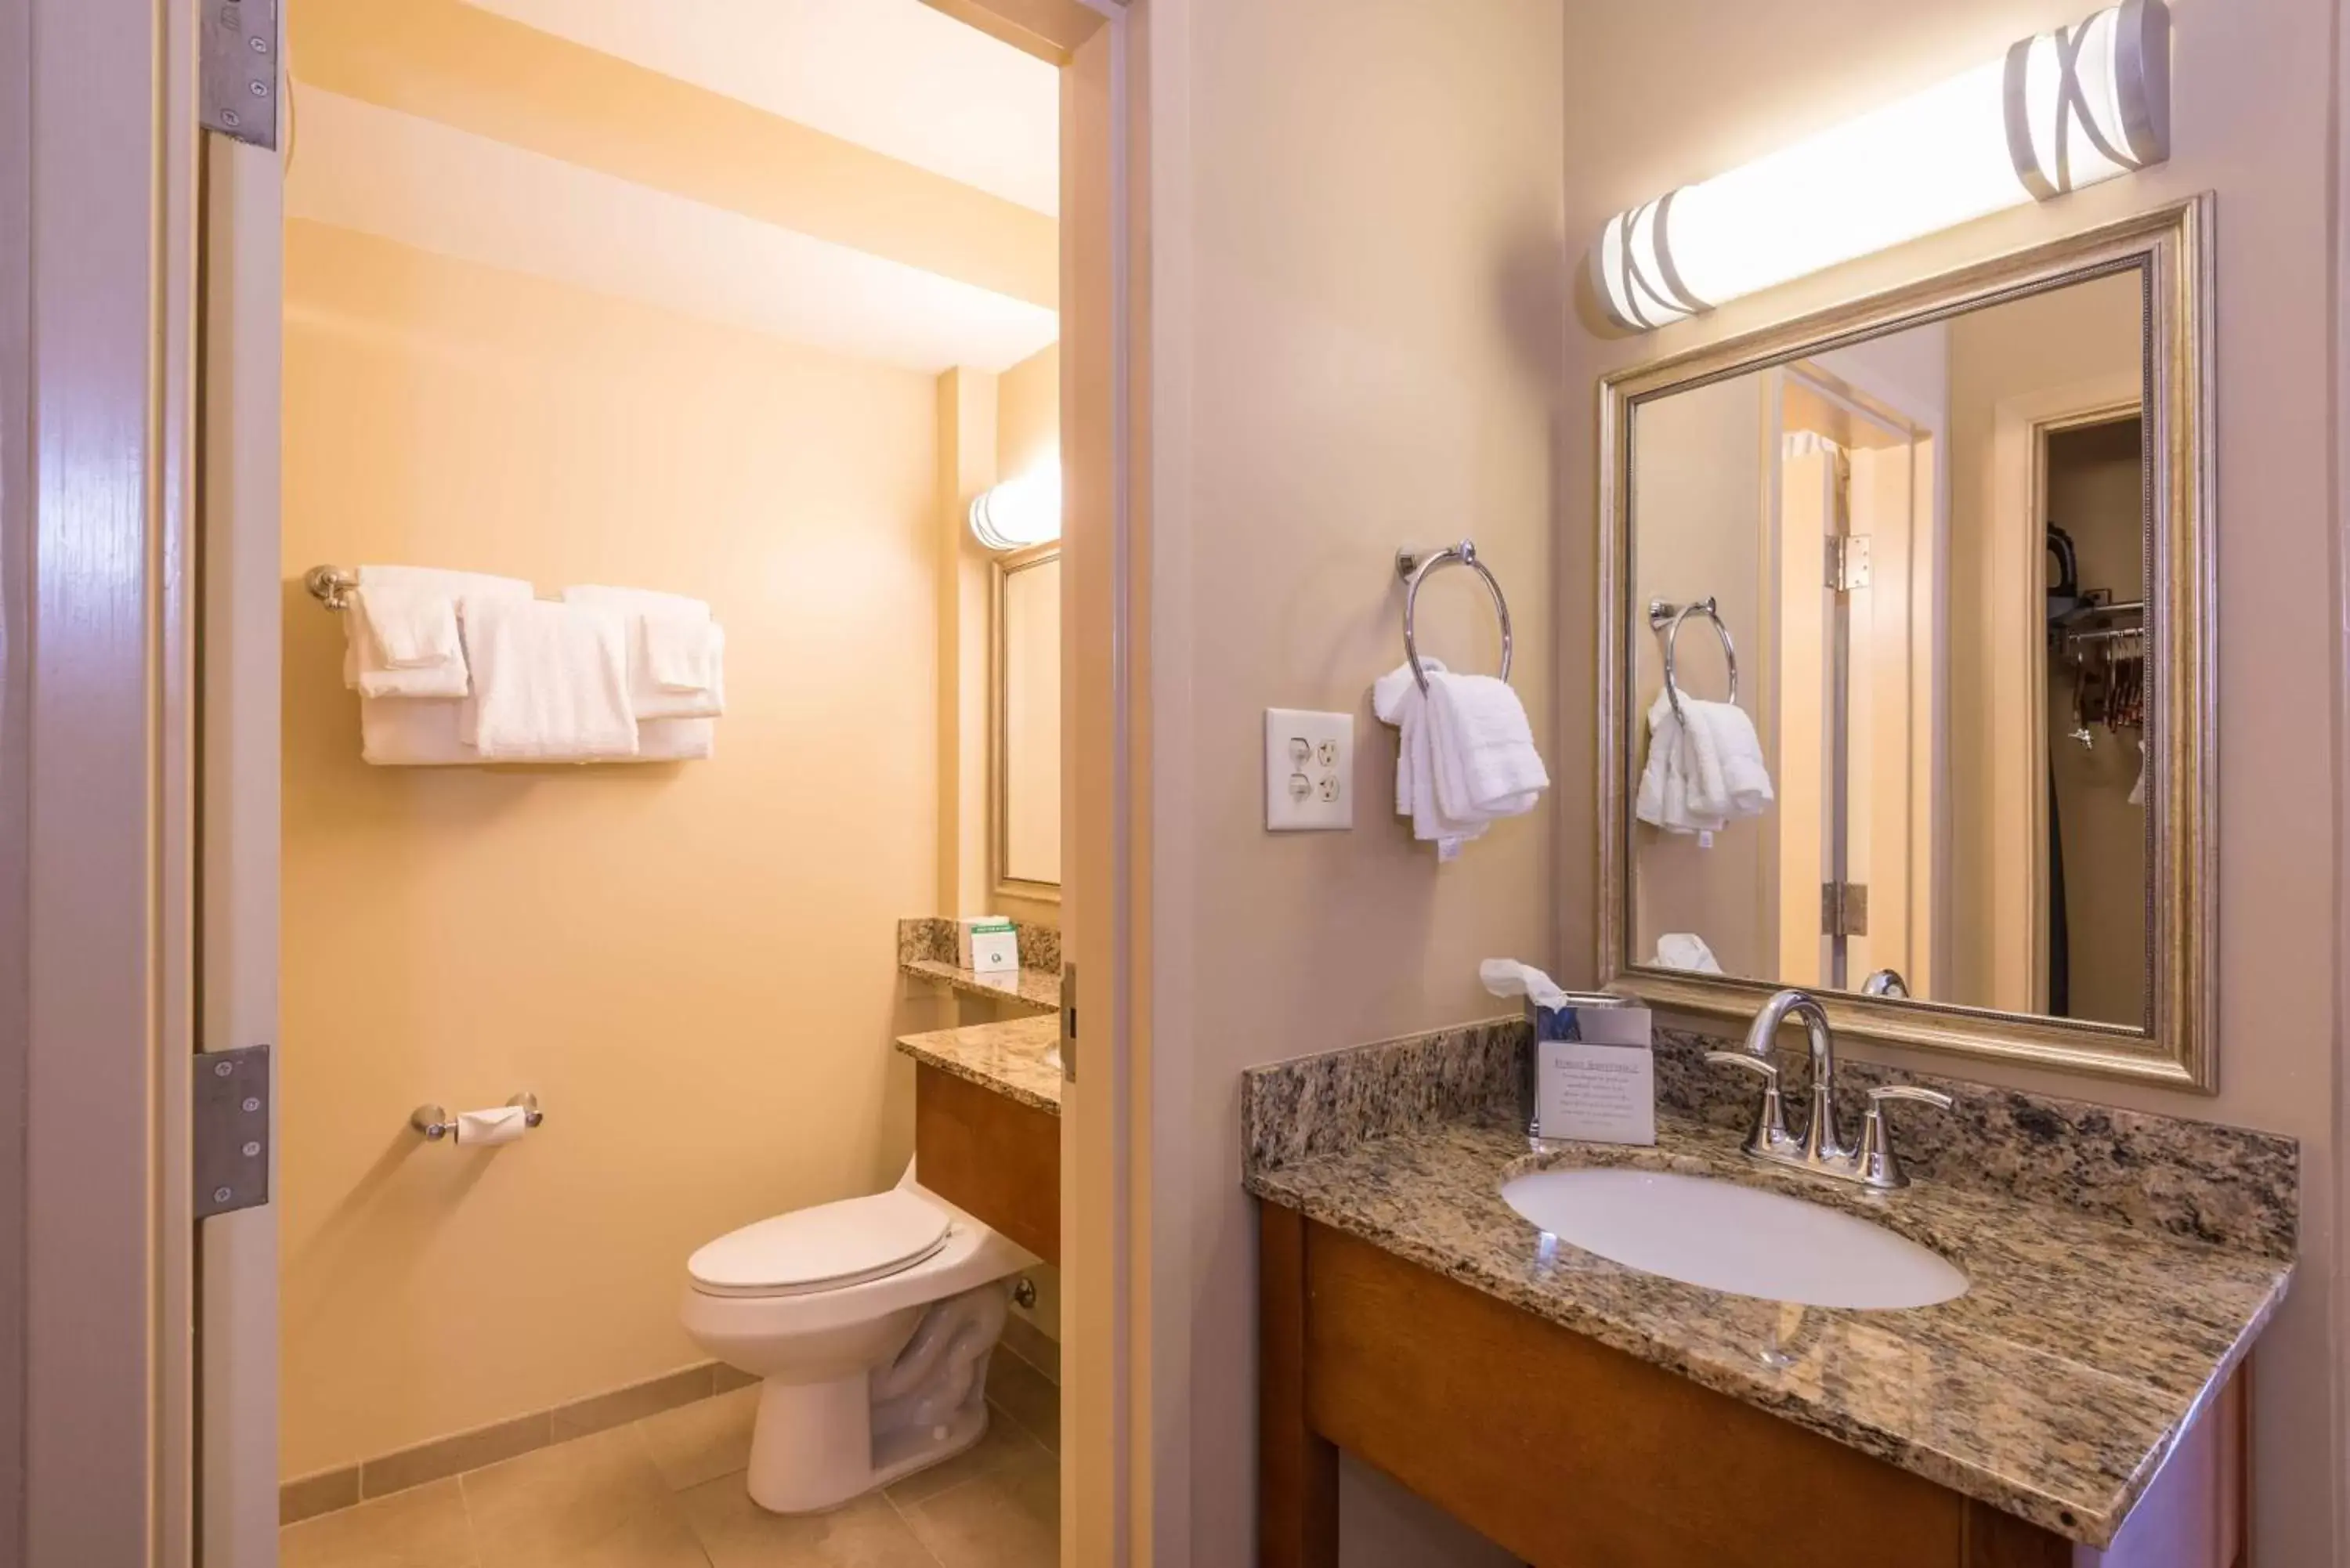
1932	574
1024	722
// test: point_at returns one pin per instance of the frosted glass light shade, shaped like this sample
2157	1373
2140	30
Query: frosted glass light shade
2061	110
1020	512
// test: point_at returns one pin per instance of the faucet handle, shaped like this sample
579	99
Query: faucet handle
1768	1135
1880	1166
1770	1070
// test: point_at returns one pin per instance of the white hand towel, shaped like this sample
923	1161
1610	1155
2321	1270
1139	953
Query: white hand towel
1482	749
1663	798
550	682
1398	699
1686	949
677	653
401	632
1731	780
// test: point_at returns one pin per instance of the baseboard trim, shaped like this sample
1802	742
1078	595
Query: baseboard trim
306	1497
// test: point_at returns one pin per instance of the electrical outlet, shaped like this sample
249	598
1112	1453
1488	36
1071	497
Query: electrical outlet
1309	771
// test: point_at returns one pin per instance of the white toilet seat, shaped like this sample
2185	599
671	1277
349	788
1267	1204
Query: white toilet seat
829	1247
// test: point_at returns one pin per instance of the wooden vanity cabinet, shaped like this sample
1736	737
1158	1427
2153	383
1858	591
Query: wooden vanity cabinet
989	1155
1574	1454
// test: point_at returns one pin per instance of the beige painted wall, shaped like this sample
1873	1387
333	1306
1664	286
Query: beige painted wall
690	965
1356	286
1028	413
1710	88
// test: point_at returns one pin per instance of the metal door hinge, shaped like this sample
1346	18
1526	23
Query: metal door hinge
237	95
1843	909
1847	556
232	1129
1068	1024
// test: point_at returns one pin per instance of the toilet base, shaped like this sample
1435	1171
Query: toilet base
817	1445
813	1448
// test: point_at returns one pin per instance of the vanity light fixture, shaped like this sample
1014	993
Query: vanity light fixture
1020	512
2060	110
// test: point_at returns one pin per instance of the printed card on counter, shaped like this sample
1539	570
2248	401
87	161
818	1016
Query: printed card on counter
1599	1086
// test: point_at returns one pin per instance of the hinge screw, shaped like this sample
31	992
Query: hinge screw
222	1194
222	1069
252	1103
229	118
252	1150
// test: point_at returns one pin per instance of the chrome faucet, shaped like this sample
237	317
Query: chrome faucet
1820	1150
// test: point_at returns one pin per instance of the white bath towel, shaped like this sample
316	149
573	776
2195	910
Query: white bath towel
411	733
400	630
1482	748
677	652
550	682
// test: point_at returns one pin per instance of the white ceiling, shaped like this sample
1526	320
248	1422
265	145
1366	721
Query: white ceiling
422	183
891	75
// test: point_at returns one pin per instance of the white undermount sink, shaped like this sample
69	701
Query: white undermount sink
1726	1237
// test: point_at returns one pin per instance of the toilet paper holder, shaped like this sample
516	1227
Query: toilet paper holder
436	1122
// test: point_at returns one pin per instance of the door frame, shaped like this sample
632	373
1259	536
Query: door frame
2018	628
102	187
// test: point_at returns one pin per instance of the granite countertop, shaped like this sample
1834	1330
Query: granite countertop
926	947
1009	1058
1030	987
2052	1389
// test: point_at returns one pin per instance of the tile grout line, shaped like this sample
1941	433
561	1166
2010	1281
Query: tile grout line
907	1520
465	1507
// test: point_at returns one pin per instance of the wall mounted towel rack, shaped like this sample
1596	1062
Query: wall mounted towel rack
1414	566
1666	618
331	585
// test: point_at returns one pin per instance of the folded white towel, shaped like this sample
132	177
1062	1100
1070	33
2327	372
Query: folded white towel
400	634
1732	779
1482	748
677	653
1465	754
550	682
1686	949
412	732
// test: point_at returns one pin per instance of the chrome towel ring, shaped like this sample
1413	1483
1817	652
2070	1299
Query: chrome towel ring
1666	618
1414	566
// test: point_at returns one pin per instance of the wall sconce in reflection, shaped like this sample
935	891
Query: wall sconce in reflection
1020	512
2060	110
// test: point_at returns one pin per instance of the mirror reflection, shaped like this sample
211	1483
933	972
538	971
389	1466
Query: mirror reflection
1028	792
1899	589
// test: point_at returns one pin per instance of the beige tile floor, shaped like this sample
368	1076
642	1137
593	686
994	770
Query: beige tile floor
667	1493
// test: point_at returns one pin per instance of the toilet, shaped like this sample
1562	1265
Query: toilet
868	1323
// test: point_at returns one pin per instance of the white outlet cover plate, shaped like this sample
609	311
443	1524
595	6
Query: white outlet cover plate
1309	771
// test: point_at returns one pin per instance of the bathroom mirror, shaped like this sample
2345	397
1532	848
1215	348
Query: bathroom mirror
1025	797
1907	662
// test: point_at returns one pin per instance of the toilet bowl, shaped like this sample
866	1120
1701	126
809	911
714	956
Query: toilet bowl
868	1323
